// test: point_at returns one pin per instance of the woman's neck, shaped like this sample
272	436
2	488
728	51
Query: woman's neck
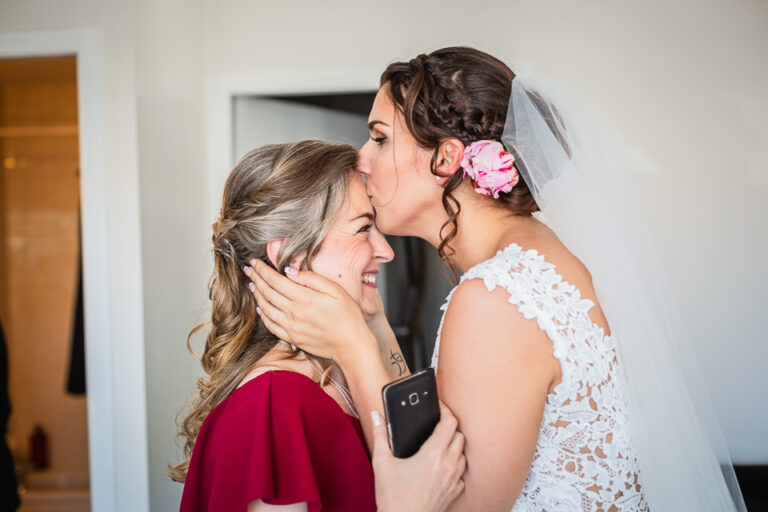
483	230
283	356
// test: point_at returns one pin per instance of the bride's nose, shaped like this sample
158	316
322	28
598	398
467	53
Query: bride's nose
362	161
382	251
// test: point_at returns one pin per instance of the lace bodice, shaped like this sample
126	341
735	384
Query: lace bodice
584	459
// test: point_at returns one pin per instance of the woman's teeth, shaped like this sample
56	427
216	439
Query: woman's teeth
369	278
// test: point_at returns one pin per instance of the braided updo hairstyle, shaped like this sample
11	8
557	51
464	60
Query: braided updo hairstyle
462	93
281	191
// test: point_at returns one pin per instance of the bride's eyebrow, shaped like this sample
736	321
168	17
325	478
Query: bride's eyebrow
373	124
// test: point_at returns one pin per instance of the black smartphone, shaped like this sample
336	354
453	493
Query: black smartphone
412	411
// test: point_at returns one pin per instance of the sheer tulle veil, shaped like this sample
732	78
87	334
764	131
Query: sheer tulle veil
583	183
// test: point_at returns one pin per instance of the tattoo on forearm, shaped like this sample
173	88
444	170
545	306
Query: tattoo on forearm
396	359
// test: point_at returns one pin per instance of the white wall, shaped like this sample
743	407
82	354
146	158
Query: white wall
111	186
175	221
684	83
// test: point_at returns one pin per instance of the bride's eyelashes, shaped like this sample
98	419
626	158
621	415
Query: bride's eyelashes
378	140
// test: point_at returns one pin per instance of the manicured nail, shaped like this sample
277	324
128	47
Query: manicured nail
291	271
252	287
247	270
258	310
252	261
375	418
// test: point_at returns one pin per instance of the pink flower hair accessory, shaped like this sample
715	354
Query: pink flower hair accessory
490	167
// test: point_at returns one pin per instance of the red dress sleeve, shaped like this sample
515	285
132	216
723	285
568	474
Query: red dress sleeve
279	438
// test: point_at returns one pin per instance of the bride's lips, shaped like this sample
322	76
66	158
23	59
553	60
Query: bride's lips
369	278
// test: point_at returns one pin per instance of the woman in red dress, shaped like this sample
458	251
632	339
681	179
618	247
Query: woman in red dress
273	427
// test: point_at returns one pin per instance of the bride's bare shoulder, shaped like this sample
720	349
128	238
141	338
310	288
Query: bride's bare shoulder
481	329
570	267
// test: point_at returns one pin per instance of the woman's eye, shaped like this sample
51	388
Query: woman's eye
365	228
378	140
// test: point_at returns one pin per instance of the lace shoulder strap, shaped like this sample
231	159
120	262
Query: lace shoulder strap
534	287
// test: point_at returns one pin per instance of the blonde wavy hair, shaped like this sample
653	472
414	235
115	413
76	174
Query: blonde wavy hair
282	191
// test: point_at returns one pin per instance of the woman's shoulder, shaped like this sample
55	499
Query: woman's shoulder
539	275
289	390
281	396
482	327
535	277
276	408
283	432
543	245
541	260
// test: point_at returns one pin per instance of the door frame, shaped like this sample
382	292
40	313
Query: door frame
116	397
221	91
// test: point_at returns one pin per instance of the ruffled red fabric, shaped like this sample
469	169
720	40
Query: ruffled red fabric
279	438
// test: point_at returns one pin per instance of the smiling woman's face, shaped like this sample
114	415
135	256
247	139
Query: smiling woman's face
399	181
352	251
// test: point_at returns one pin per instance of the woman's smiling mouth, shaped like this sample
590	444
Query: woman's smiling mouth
369	278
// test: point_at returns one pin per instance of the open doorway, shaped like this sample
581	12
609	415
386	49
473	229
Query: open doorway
40	281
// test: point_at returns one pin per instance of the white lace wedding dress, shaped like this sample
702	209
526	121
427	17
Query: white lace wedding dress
584	460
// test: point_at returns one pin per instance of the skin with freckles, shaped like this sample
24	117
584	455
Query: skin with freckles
349	255
354	248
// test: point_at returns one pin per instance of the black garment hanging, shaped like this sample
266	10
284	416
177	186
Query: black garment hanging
76	376
9	497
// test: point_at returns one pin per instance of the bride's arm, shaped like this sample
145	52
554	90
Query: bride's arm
495	369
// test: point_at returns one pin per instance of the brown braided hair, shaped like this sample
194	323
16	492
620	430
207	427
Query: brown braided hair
462	93
291	191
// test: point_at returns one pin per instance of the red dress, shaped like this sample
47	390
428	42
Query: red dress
279	438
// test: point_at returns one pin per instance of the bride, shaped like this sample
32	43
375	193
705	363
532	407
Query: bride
552	352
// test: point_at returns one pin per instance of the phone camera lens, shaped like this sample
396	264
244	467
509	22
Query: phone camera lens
413	398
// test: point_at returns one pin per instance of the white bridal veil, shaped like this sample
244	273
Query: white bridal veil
584	187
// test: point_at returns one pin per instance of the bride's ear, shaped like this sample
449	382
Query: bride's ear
450	153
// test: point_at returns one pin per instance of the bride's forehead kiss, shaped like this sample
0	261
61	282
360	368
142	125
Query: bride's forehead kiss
426	112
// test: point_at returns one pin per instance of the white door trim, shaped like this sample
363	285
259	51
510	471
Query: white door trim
116	394
222	89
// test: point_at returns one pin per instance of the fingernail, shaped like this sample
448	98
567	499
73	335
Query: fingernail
252	287
291	271
247	270
258	310
252	261
376	418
